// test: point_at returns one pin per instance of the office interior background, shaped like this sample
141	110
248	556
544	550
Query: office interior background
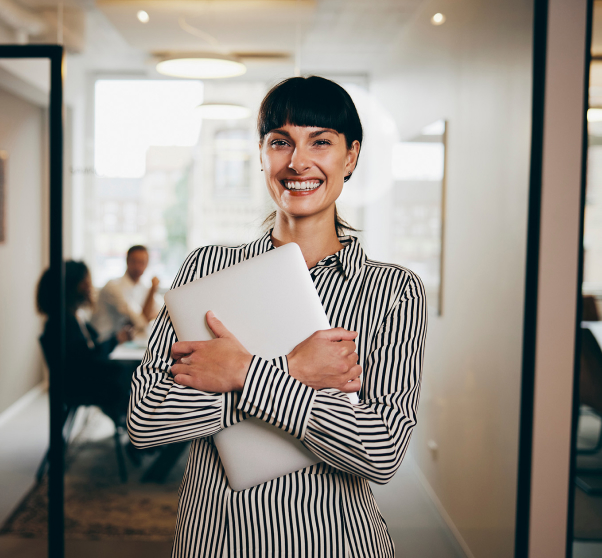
445	90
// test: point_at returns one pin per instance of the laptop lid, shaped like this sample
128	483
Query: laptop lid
270	304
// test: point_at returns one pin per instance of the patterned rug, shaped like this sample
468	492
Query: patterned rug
97	504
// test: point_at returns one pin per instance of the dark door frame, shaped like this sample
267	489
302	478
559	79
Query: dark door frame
55	54
532	280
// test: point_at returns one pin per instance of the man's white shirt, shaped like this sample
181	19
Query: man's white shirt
119	303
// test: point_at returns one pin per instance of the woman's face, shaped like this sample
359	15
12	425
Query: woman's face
305	168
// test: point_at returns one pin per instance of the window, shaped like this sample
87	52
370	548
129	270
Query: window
231	163
145	138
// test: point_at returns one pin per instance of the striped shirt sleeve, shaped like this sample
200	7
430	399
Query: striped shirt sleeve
368	439
162	411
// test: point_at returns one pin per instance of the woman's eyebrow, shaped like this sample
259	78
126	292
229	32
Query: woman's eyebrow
324	131
281	132
312	135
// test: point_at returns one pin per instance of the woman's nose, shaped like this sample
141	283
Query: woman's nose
299	161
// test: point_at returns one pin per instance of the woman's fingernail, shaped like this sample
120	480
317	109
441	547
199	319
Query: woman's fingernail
210	314
185	360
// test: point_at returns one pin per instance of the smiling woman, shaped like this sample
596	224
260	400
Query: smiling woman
325	122
310	138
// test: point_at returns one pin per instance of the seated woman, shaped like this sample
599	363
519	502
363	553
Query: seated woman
309	143
90	377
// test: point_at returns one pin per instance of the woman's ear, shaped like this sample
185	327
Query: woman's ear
260	159
352	154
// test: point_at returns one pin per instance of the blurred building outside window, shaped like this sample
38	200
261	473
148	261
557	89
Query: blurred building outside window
165	178
232	155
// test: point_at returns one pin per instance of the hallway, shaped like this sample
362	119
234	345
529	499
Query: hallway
417	528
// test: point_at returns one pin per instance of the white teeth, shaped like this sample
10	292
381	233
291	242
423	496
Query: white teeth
305	185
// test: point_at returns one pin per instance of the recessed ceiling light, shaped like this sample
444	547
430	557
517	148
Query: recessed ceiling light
142	16
222	111
438	19
201	66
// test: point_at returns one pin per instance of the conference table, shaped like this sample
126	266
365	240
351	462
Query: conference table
130	355
130	351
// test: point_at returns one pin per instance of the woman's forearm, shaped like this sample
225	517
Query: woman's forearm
163	412
368	439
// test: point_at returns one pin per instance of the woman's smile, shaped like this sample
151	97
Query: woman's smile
301	187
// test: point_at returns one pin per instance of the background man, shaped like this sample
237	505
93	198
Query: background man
128	299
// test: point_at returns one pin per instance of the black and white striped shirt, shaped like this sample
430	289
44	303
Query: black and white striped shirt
326	510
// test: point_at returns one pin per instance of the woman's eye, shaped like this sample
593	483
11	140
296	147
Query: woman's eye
278	143
322	142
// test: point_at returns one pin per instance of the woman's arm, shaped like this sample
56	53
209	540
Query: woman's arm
161	411
368	439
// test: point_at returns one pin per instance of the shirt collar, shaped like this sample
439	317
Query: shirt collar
128	280
351	257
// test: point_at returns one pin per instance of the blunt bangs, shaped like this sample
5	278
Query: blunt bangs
313	101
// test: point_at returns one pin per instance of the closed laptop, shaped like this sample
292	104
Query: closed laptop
270	304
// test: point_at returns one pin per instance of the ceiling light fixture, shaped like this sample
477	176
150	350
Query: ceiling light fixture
201	66
142	16
438	19
222	111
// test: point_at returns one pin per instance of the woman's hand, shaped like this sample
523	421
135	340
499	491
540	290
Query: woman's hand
219	365
327	359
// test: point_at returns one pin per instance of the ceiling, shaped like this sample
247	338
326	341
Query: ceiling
344	36
335	37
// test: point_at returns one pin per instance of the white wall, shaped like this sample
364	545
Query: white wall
22	255
475	72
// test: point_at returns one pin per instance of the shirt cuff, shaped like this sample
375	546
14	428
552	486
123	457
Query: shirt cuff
231	414
272	395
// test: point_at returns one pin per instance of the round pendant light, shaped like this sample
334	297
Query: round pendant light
222	111
201	66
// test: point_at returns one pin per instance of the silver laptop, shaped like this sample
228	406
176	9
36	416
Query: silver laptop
270	304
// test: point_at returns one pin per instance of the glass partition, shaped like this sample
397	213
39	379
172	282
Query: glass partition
587	499
24	255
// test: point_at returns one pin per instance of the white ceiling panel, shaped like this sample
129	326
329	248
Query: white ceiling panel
236	25
342	36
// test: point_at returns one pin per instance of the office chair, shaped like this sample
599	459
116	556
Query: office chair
73	401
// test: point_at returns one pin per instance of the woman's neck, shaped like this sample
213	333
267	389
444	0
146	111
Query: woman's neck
315	235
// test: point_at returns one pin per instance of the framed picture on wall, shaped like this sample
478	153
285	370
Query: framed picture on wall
3	161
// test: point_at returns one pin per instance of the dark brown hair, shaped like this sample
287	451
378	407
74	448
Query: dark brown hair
310	101
136	248
75	273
